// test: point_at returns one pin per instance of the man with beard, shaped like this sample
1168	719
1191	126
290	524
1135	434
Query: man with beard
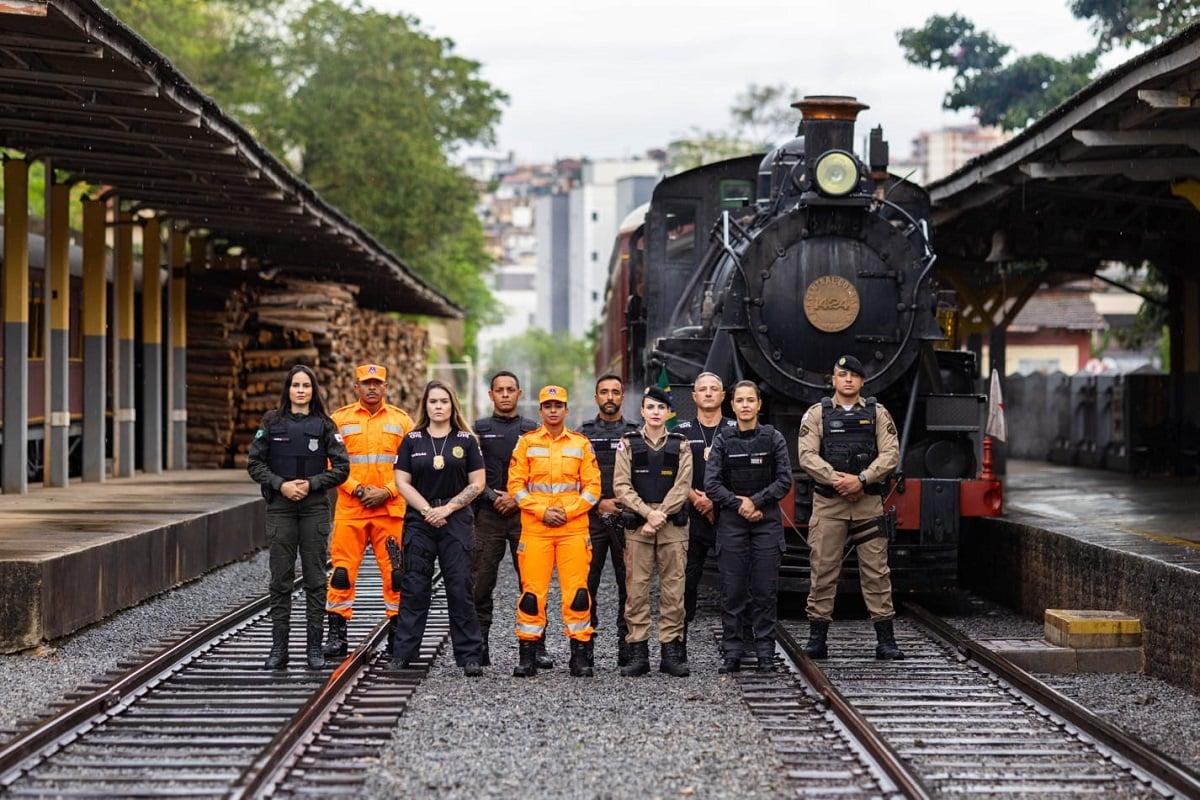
604	521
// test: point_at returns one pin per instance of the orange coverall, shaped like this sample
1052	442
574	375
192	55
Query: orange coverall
372	440
545	472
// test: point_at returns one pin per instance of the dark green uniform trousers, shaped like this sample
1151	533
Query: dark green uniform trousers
298	528
494	533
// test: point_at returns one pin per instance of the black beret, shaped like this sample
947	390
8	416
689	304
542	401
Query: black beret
851	364
655	393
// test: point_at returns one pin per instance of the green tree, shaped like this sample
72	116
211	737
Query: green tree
1012	92
539	358
759	118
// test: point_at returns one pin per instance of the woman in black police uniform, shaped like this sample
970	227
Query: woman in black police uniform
747	474
440	472
296	456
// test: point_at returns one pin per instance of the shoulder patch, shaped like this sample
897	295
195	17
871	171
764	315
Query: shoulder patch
260	433
621	444
804	430
339	438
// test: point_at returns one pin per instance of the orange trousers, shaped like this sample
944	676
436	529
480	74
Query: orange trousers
346	548
537	556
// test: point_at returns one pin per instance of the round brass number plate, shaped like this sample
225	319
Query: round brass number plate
831	303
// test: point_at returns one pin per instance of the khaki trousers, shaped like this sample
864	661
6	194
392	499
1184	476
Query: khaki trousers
827	541
640	559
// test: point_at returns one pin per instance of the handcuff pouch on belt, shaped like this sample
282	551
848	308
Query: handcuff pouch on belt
631	520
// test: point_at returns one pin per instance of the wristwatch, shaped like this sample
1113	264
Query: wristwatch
360	491
862	476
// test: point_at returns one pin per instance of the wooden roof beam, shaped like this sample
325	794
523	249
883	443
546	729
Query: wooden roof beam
49	46
1138	138
1164	99
1135	169
76	108
91	133
66	157
41	78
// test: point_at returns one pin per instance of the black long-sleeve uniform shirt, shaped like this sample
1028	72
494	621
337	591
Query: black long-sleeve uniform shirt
770	494
335	474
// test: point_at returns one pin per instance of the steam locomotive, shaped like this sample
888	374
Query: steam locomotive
769	269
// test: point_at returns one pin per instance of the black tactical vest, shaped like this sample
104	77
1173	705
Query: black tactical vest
653	471
749	464
497	440
694	433
848	437
297	446
604	437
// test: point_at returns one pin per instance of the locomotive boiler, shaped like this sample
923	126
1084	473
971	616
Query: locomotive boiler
769	268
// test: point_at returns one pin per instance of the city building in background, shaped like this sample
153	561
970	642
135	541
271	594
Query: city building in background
937	153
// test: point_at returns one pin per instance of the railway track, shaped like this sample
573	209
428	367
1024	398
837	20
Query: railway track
955	719
201	718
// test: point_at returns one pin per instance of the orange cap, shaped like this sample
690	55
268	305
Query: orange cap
549	393
370	372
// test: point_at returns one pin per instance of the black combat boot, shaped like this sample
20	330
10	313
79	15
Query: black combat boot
485	654
472	669
673	660
278	658
624	654
544	661
316	659
683	642
766	661
817	631
730	664
335	644
639	660
527	663
885	635
581	659
390	647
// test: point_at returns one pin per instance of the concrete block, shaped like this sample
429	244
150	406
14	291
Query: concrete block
1034	655
1110	659
1083	629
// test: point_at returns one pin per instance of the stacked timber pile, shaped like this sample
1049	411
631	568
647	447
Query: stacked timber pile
216	318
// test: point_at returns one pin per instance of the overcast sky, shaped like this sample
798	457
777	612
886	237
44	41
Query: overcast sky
606	79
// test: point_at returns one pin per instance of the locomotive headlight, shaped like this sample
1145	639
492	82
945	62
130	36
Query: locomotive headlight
836	173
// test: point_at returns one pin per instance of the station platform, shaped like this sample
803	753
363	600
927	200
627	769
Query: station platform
1080	538
72	556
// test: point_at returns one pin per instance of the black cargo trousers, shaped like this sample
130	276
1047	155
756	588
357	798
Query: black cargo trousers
494	533
298	528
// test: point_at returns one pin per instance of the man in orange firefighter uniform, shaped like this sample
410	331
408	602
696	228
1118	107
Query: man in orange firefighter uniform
369	507
555	480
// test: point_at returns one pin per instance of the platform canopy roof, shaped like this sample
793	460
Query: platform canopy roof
80	88
1113	173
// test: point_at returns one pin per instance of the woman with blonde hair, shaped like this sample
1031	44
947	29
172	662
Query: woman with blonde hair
440	472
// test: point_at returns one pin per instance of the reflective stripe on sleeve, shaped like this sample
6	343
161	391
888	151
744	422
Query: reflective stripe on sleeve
588	496
521	495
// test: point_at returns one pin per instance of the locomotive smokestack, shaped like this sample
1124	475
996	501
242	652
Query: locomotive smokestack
827	122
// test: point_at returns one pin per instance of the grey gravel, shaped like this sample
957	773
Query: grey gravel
34	678
557	736
1158	713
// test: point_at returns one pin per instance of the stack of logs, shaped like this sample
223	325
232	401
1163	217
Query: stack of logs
216	319
269	327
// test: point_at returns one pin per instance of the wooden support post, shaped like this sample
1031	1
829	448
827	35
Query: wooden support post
57	294
124	416
152	366
16	327
177	382
94	305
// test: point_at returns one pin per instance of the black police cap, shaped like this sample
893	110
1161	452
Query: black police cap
851	364
655	393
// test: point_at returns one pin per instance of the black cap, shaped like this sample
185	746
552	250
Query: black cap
655	393
851	364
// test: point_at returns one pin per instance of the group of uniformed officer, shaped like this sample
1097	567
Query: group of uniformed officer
647	497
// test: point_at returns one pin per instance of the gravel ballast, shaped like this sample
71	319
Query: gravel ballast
558	736
1164	716
34	678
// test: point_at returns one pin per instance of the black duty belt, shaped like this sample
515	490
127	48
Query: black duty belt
877	489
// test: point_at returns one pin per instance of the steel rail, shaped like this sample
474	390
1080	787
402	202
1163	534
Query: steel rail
906	781
63	727
1157	765
263	774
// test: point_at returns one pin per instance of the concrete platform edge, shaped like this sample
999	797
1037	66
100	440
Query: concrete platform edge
1030	568
52	598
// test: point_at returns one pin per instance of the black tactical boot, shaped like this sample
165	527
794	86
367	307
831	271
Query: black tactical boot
639	660
817	631
730	664
472	669
886	649
581	659
278	658
766	661
316	659
673	659
335	644
485	655
527	664
624	655
390	647
683	642
544	661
